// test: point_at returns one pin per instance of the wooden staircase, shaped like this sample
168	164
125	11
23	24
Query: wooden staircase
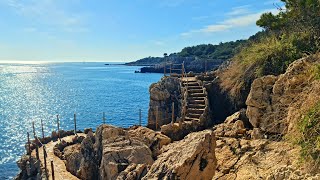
195	102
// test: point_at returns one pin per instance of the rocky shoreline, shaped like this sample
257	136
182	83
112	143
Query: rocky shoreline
249	140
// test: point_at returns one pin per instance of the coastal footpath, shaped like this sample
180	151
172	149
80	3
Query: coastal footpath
267	133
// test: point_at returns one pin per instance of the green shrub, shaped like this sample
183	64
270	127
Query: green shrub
271	55
309	128
316	72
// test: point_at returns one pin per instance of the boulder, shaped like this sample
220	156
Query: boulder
133	172
191	158
86	130
276	104
89	166
178	131
154	140
115	151
73	158
256	133
162	95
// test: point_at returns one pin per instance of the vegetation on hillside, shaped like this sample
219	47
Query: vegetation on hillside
309	141
197	57
290	34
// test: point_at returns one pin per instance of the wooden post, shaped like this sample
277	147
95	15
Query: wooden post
104	117
75	123
42	129
34	131
45	159
29	148
172	117
58	124
37	152
140	117
52	170
157	109
183	69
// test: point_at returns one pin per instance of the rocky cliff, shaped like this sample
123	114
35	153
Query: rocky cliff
162	95
277	103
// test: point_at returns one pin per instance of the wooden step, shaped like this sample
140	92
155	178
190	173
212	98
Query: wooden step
193	83
194	87
191	119
195	111
202	102
195	90
196	116
196	98
197	95
197	106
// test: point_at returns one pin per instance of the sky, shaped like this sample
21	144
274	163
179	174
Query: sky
120	30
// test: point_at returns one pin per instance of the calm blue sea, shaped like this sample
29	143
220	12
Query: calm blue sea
40	91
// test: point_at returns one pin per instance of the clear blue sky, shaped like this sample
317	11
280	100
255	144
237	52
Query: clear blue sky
120	30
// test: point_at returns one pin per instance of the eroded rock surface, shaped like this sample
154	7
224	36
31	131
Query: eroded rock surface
154	140
162	95
191	158
253	159
275	103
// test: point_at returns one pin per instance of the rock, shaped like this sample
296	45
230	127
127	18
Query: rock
256	133
259	100
30	167
119	151
191	158
154	140
178	131
162	95
257	159
73	158
133	172
275	104
89	166
87	130
54	135
230	129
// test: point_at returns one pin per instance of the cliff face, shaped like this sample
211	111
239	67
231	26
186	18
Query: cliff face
277	103
162	95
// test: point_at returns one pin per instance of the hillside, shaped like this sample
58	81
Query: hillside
197	58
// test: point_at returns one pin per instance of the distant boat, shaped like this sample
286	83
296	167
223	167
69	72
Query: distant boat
107	64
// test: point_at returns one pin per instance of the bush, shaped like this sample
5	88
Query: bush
316	72
309	127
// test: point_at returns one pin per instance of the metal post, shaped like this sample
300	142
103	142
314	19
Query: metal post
157	109
75	123
140	117
58	124
104	118
52	170
172	115
42	129
45	159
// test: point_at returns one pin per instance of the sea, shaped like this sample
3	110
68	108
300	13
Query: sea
41	91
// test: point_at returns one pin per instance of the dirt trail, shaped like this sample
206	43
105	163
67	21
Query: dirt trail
60	171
